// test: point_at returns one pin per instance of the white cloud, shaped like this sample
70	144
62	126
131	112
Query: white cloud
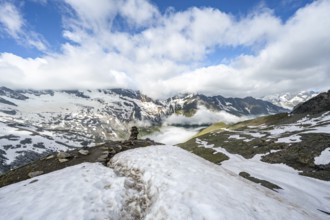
173	135
11	19
203	116
163	54
13	24
138	12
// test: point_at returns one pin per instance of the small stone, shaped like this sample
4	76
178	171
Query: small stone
33	181
112	151
35	173
104	148
50	157
105	152
64	155
83	152
118	148
63	160
102	158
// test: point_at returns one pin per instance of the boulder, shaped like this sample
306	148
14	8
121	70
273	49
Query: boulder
102	158
35	173
83	152
64	155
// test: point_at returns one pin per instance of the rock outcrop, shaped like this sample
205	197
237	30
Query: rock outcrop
316	105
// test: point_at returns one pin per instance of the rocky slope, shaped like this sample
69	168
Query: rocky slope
299	139
316	105
55	161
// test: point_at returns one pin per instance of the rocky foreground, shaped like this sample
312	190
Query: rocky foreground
56	161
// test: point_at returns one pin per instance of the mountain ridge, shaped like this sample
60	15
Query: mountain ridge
37	122
290	100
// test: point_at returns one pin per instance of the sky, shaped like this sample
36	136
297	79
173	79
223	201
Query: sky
233	48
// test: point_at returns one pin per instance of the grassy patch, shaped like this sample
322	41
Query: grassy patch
214	127
206	153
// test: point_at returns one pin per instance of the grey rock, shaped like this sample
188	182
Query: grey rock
105	152
62	160
83	152
50	157
118	148
134	133
102	158
64	155
35	173
33	181
112	151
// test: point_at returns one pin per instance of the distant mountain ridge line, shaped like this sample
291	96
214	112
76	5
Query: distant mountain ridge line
182	102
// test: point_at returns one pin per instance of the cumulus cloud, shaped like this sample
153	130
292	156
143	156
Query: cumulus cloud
131	44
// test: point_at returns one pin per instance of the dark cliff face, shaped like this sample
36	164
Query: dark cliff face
316	105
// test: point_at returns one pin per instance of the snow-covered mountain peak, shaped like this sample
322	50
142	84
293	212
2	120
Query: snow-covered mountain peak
290	100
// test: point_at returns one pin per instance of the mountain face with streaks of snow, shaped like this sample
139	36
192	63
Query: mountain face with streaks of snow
190	103
156	182
290	100
34	123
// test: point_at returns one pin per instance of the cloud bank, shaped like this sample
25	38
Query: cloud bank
131	44
203	116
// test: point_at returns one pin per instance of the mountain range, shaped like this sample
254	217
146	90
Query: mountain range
36	122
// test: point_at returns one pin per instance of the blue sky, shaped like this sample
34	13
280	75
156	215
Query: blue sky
232	48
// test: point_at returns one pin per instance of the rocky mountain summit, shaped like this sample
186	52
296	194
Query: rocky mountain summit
316	105
290	100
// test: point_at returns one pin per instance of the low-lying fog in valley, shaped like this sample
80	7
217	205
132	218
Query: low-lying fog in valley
178	128
172	135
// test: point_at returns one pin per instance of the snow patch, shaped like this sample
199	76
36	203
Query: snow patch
324	157
291	139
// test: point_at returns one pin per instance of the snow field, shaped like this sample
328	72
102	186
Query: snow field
310	193
184	186
157	182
